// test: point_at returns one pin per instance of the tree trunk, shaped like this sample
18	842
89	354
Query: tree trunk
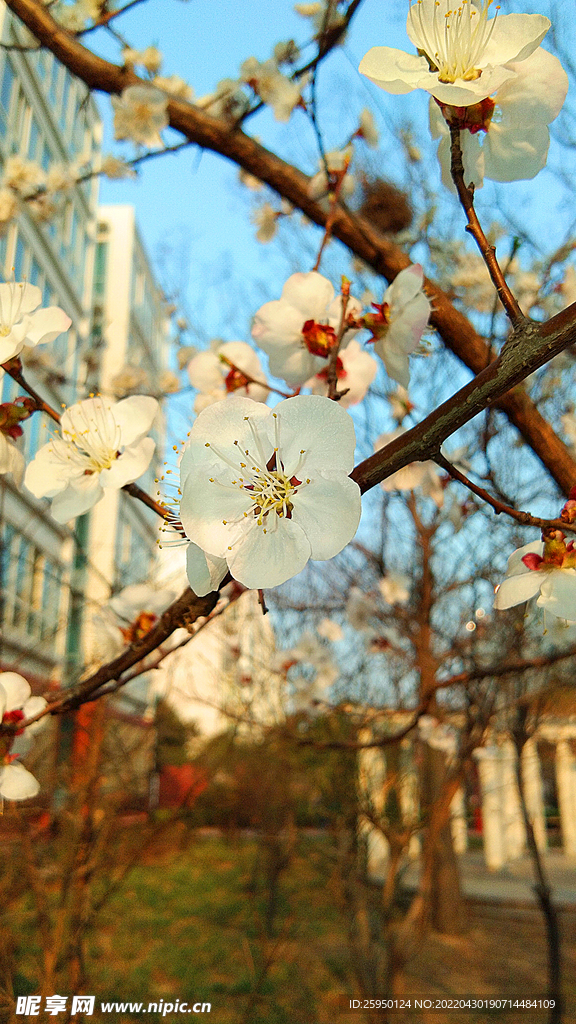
447	910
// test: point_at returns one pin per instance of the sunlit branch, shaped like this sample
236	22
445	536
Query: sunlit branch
466	197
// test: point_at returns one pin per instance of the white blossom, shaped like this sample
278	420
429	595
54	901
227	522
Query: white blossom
399	322
168	382
8	207
275	89
266	220
224	371
113	167
267	490
298	331
400	403
20	325
395	588
61	177
140	114
544	568
150	58
506	136
324	15
11	459
102	444
463	57
17	704
228	101
174	86
337	161
360	609
367	129
356	370
24	176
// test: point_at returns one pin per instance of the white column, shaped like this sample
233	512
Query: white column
566	786
458	822
492	816
408	795
372	777
514	827
534	793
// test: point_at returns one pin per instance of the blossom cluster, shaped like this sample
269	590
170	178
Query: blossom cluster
489	78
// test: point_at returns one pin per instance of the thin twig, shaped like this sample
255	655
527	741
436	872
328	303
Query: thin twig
466	197
525	518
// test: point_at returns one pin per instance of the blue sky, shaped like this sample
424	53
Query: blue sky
193	200
192	204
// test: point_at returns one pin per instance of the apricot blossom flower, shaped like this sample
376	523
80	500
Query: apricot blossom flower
16	704
20	325
232	367
505	137
463	57
102	444
264	490
399	322
299	330
546	568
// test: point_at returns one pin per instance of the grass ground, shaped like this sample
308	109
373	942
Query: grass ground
188	925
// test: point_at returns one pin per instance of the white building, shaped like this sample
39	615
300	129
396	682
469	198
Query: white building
130	331
48	116
90	262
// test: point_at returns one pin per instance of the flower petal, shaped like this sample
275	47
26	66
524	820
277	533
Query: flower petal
46	324
328	510
16	689
321	427
205	371
309	293
394	70
17	783
519	588
514	38
130	465
212	510
47	474
135	416
278	324
558	593
205	573
516	154
11	459
537	92
267	559
79	496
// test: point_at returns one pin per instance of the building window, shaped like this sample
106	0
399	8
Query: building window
34	139
20	258
6	87
100	258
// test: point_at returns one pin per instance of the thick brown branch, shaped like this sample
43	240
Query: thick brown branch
353	230
183	612
531	346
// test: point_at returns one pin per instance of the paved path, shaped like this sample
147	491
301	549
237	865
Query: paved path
513	883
